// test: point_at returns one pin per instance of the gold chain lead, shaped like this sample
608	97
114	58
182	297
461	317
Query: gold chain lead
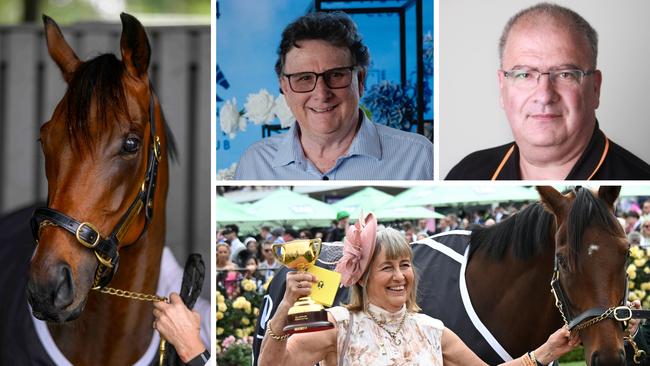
595	320
639	354
132	295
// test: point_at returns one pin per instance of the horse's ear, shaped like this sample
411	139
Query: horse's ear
59	49
134	45
553	200
609	194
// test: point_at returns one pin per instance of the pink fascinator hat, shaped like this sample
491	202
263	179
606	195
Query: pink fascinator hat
358	245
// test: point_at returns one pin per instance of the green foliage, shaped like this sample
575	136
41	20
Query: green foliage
238	305
236	355
70	11
577	354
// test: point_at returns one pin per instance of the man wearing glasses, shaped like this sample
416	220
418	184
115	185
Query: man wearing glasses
322	67
270	263
550	89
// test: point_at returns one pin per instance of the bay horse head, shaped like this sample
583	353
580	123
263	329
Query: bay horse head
104	160
589	281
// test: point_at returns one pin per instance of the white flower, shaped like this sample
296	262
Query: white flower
228	173
283	112
259	107
230	119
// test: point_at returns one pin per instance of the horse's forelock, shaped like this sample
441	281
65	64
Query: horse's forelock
587	210
98	80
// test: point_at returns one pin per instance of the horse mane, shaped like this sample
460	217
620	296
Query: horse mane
526	232
587	210
101	78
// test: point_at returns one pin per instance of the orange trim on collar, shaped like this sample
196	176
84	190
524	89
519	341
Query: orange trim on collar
512	148
503	162
602	157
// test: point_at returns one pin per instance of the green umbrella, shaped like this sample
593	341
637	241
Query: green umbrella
229	212
406	213
627	190
283	206
635	191
450	195
366	200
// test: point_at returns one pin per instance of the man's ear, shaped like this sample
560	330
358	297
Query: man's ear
284	85
598	80
361	77
501	81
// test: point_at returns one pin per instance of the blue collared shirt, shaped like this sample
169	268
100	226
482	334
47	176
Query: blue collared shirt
377	152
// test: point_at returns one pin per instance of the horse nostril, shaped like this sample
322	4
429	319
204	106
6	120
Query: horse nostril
64	290
596	359
621	355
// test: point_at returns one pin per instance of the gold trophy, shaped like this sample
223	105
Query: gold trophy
308	313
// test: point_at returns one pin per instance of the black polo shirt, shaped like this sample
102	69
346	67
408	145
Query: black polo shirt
602	160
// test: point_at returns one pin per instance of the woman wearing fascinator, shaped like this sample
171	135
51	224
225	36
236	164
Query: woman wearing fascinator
381	325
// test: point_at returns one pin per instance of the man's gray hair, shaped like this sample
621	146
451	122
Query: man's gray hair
573	20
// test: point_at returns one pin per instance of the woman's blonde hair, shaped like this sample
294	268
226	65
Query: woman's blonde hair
395	246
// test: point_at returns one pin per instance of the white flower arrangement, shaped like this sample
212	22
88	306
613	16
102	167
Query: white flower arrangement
227	173
260	108
283	112
231	119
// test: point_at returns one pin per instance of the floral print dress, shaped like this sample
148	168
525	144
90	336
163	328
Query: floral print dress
418	342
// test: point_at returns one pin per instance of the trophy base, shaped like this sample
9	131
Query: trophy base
312	321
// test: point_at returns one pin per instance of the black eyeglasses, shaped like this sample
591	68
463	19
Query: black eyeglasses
337	78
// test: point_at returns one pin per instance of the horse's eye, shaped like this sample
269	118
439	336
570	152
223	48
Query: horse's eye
561	260
131	145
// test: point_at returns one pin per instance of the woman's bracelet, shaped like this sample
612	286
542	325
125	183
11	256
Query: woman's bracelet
279	338
529	359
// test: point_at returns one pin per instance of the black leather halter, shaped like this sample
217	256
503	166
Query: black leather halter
106	248
621	312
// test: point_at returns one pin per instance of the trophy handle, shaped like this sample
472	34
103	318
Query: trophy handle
316	245
278	252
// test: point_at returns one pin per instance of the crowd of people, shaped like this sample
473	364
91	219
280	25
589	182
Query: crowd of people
253	258
637	224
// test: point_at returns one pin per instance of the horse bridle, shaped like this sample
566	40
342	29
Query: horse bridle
106	249
621	313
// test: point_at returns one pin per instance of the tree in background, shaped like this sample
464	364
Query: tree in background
68	11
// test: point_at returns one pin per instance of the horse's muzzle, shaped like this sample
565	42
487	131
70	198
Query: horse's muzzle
50	299
601	359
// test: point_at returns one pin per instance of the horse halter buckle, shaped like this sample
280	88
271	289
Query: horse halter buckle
622	313
94	233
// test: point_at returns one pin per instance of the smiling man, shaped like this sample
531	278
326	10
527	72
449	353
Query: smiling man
322	65
550	90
